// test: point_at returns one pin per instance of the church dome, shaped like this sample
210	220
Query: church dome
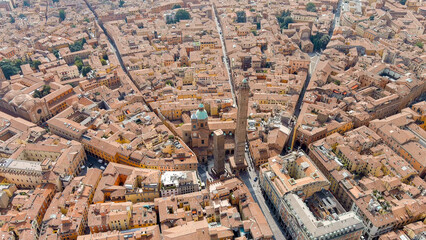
10	95
18	100
201	112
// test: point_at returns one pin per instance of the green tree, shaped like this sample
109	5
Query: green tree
37	94
169	82
21	16
419	44
79	63
86	19
241	17
55	1
103	61
12	19
286	22
26	3
258	26
252	10
56	53
402	2
182	14
85	70
371	17
44	92
35	64
9	68
284	19
176	6
310	7
105	56
320	41
78	45
62	15
121	3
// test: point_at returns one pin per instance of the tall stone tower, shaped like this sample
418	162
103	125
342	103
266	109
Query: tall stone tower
219	152
241	130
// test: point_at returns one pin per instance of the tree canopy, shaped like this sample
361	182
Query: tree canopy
320	41
182	14
62	15
85	70
176	6
10	68
284	19
12	19
56	53
79	63
310	7
78	45
241	17
35	64
44	92
121	3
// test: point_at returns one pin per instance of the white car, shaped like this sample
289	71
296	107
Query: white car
83	167
102	168
100	161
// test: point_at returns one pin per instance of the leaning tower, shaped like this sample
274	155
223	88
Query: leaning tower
241	129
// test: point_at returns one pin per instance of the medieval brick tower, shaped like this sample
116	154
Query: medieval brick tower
238	162
219	152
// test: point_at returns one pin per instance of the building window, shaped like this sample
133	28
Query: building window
202	141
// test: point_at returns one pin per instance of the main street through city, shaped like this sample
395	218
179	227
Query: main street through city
225	56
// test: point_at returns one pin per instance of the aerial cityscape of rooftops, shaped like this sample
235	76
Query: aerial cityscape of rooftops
212	119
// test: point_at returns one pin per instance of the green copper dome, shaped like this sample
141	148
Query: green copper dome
201	114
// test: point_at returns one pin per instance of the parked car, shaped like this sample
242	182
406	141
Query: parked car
102	168
100	161
90	165
255	179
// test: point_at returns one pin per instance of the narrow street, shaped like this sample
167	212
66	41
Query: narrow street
225	56
273	221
